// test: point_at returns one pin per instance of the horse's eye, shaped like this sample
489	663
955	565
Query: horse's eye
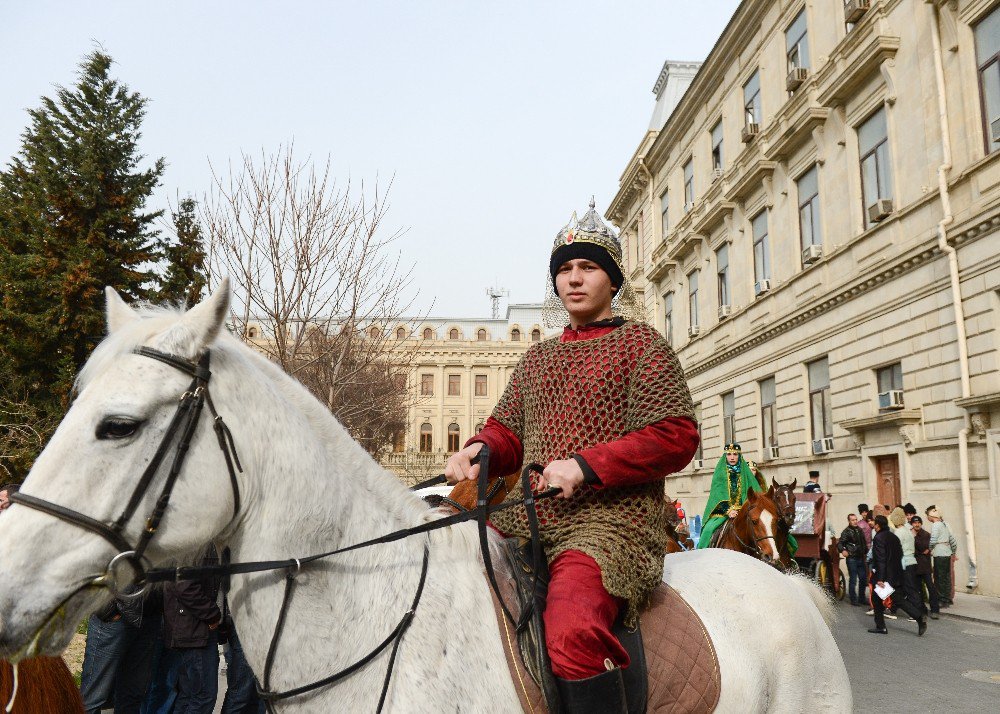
117	427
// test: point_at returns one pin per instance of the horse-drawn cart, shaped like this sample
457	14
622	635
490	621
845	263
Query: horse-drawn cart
817	554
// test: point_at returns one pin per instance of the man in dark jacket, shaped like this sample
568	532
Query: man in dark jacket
887	568
191	619
854	548
922	552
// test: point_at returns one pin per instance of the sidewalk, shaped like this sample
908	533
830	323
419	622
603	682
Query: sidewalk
979	608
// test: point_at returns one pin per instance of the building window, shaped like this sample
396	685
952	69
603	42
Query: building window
426	385
890	378
751	99
374	333
768	418
426	439
693	299
252	333
480	385
820	410
808	190
428	333
400	333
729	417
797	43
536	335
668	318
688	185
761	248
515	335
722	272
454	385
399	441
453	334
665	212
698	454
480	426
718	162
876	174
987	35
481	335
399	382
453	437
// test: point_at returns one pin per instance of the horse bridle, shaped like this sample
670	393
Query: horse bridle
184	422
754	547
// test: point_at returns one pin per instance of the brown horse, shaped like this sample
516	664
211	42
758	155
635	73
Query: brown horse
783	496
45	686
754	531
678	537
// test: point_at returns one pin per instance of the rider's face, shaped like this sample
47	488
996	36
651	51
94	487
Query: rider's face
732	459
585	290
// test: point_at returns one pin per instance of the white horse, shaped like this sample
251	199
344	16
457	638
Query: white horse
307	487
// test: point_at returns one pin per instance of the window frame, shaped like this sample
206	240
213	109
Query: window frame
895	376
426	440
699	452
812	203
454	437
718	147
536	335
688	184
768	413
426	385
515	335
804	35
668	317
729	419
764	243
826	408
454	385
665	212
982	66
480	380
753	108
722	275
874	153
692	280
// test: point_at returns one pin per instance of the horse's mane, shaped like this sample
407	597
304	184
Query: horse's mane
45	685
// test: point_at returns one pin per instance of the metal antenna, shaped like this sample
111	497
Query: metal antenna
494	295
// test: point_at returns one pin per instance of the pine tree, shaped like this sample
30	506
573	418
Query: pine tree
72	220
184	279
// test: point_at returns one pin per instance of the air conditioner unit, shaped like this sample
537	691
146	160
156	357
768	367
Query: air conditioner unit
822	446
880	210
995	130
693	331
854	10
749	132
893	399
717	173
761	287
811	254
795	78
772	452
698	464
725	311
689	206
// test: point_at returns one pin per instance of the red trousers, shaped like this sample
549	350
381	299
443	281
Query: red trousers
578	617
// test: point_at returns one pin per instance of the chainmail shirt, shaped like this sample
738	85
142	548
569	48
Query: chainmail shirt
564	397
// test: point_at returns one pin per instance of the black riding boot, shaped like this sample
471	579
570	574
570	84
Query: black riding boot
601	694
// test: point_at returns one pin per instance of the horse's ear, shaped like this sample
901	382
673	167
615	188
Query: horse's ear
774	484
118	312
201	324
795	483
751	494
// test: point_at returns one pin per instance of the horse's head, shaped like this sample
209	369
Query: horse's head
758	521
51	565
783	496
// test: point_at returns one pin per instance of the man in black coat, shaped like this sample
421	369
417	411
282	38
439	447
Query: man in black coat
887	567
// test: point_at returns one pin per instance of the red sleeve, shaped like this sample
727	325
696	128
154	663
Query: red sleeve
506	451
646	454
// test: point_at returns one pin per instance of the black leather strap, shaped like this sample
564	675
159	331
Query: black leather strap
68	515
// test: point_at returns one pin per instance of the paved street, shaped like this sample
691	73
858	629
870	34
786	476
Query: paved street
934	673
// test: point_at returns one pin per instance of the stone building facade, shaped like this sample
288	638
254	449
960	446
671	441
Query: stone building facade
460	370
816	228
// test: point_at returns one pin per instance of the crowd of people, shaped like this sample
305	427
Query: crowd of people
893	556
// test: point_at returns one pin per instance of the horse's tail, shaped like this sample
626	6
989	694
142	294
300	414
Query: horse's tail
819	597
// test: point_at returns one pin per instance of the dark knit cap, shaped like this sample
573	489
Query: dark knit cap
588	251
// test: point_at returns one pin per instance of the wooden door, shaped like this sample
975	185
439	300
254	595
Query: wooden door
887	473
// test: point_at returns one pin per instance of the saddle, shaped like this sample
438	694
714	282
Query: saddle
673	670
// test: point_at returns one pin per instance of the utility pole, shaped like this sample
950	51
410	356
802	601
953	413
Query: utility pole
495	294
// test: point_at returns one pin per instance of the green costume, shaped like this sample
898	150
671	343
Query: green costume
729	490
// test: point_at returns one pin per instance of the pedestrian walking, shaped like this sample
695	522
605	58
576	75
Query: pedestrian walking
922	549
854	547
909	560
944	551
887	568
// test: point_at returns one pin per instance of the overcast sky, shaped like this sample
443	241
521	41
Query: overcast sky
497	119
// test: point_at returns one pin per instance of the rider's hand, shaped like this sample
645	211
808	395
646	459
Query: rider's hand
460	466
565	474
732	512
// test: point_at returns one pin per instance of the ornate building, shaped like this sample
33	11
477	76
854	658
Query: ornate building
816	228
460	370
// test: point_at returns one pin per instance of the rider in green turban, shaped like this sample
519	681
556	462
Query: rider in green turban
730	484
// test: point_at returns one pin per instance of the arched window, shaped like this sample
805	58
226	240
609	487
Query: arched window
453	440
480	426
453	335
426	439
252	333
481	335
515	335
428	333
536	335
374	333
401	334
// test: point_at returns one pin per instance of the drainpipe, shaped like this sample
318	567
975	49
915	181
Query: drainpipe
956	291
649	179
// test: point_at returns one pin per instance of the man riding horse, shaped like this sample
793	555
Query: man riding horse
606	410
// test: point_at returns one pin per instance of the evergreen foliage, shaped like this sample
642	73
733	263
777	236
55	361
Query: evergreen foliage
72	220
184	280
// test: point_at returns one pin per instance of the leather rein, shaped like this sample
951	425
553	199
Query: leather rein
184	422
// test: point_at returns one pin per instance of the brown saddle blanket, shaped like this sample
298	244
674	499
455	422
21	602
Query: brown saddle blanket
683	667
